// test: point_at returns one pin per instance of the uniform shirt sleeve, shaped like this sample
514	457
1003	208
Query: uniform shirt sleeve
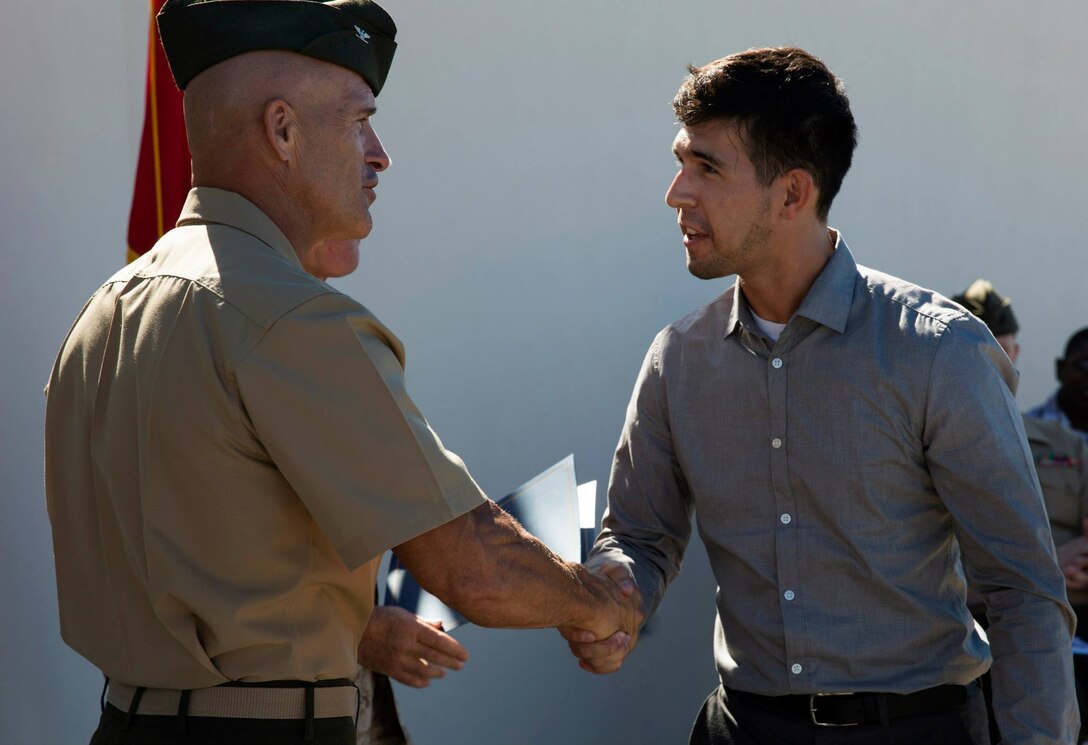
1083	457
1080	459
1080	456
647	523
325	395
982	469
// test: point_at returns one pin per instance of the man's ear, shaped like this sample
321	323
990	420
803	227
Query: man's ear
281	129
797	193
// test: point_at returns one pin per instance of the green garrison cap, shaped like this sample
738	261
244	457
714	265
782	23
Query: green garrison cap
356	34
991	306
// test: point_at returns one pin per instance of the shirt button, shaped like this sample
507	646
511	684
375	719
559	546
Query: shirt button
776	443
786	518
789	595
796	669
776	363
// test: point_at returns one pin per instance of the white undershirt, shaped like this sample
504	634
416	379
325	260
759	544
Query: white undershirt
770	328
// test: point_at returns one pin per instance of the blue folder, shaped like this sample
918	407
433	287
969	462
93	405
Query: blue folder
546	506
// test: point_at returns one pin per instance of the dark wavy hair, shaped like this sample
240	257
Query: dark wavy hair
791	110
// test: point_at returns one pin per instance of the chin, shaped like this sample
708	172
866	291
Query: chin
341	266
704	271
332	258
366	222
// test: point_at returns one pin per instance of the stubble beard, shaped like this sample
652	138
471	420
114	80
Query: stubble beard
722	264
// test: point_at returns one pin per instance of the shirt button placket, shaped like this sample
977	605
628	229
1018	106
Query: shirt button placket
786	545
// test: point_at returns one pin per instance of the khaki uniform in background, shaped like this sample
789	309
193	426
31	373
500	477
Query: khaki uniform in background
1061	461
229	450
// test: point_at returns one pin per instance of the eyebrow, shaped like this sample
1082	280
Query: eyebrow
701	155
360	104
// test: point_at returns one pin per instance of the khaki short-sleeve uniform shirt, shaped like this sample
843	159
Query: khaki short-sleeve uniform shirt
229	450
1061	461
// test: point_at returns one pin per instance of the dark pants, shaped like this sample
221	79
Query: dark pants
174	730
725	722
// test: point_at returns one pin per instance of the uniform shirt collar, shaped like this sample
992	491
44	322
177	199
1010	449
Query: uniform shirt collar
828	300
209	205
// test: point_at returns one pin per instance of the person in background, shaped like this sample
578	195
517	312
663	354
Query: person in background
1069	404
1061	463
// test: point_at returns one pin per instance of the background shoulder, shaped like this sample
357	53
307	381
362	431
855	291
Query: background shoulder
1055	435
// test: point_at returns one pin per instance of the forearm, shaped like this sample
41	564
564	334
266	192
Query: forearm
496	574
514	580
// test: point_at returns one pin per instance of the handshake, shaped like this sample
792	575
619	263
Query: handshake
601	647
600	621
486	567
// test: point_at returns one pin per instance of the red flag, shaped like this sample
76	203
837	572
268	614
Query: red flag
163	171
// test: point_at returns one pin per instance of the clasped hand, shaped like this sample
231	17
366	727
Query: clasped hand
602	654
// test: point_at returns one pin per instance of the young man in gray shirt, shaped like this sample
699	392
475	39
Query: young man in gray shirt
850	445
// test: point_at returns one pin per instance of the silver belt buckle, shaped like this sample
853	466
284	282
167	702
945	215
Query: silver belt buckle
812	710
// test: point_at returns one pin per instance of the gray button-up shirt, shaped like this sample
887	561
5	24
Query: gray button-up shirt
839	476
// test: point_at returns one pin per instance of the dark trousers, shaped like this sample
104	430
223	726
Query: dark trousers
725	722
115	729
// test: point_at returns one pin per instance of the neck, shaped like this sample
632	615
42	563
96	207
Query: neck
267	192
283	211
775	290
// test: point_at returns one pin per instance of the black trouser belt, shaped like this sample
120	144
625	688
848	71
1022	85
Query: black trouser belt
848	709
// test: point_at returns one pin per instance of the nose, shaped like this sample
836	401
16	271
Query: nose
375	155
678	194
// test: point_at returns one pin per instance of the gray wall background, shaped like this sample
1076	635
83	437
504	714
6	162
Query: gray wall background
524	254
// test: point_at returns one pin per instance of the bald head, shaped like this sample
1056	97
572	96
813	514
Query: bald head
224	105
293	135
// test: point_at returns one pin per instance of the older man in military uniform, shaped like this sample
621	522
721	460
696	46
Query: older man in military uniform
229	443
